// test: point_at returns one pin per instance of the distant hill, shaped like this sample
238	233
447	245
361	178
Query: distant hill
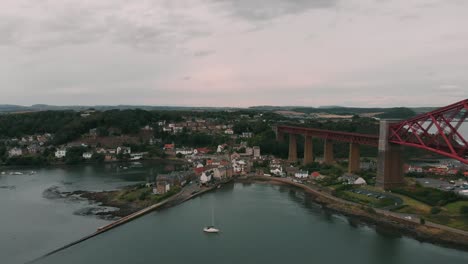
5	108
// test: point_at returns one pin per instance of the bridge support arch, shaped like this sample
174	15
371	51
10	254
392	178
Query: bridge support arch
389	164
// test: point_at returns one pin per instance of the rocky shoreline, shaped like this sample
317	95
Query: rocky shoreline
386	223
104	198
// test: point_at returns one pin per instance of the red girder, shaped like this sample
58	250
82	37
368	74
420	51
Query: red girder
361	139
436	131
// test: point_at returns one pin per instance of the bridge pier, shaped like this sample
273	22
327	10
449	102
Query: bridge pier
308	150
354	160
279	135
292	157
328	152
389	164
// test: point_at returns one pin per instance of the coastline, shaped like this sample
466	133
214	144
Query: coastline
388	221
429	232
63	164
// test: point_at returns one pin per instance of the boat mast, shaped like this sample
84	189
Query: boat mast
212	216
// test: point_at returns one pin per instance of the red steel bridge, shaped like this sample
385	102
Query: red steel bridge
437	131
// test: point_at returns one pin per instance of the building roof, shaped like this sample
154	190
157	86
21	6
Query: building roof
169	146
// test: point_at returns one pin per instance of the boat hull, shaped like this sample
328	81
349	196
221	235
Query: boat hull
210	230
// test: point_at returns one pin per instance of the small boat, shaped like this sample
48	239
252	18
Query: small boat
211	228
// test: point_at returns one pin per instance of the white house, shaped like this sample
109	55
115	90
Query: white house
220	148
87	155
229	131
277	171
184	151
205	177
256	151
249	151
246	134
301	174
60	153
124	150
15	152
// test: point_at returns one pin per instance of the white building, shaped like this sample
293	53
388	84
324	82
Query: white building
249	151
277	171
87	155
301	174
220	149
124	150
229	131
205	177
184	151
15	152
246	134
256	152
60	153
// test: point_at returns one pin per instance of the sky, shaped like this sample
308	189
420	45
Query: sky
238	53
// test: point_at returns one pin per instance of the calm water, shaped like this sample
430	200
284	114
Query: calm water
34	221
260	223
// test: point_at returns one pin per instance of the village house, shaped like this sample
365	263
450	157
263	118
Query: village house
87	155
248	151
34	149
235	156
229	131
415	169
316	176
14	152
111	151
162	187
101	150
184	151
246	135
206	177
124	150
301	174
223	172
291	171
201	151
256	151
277	171
60	153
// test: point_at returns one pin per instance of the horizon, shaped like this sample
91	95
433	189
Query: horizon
204	106
234	53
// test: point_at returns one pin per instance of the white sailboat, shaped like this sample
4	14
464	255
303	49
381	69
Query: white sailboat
211	228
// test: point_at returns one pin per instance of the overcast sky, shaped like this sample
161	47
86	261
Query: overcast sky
234	52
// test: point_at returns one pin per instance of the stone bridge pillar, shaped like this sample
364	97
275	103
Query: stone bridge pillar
279	134
292	148
308	150
328	152
354	160
389	164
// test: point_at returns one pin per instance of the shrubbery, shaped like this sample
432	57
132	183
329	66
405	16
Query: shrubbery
429	196
464	210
